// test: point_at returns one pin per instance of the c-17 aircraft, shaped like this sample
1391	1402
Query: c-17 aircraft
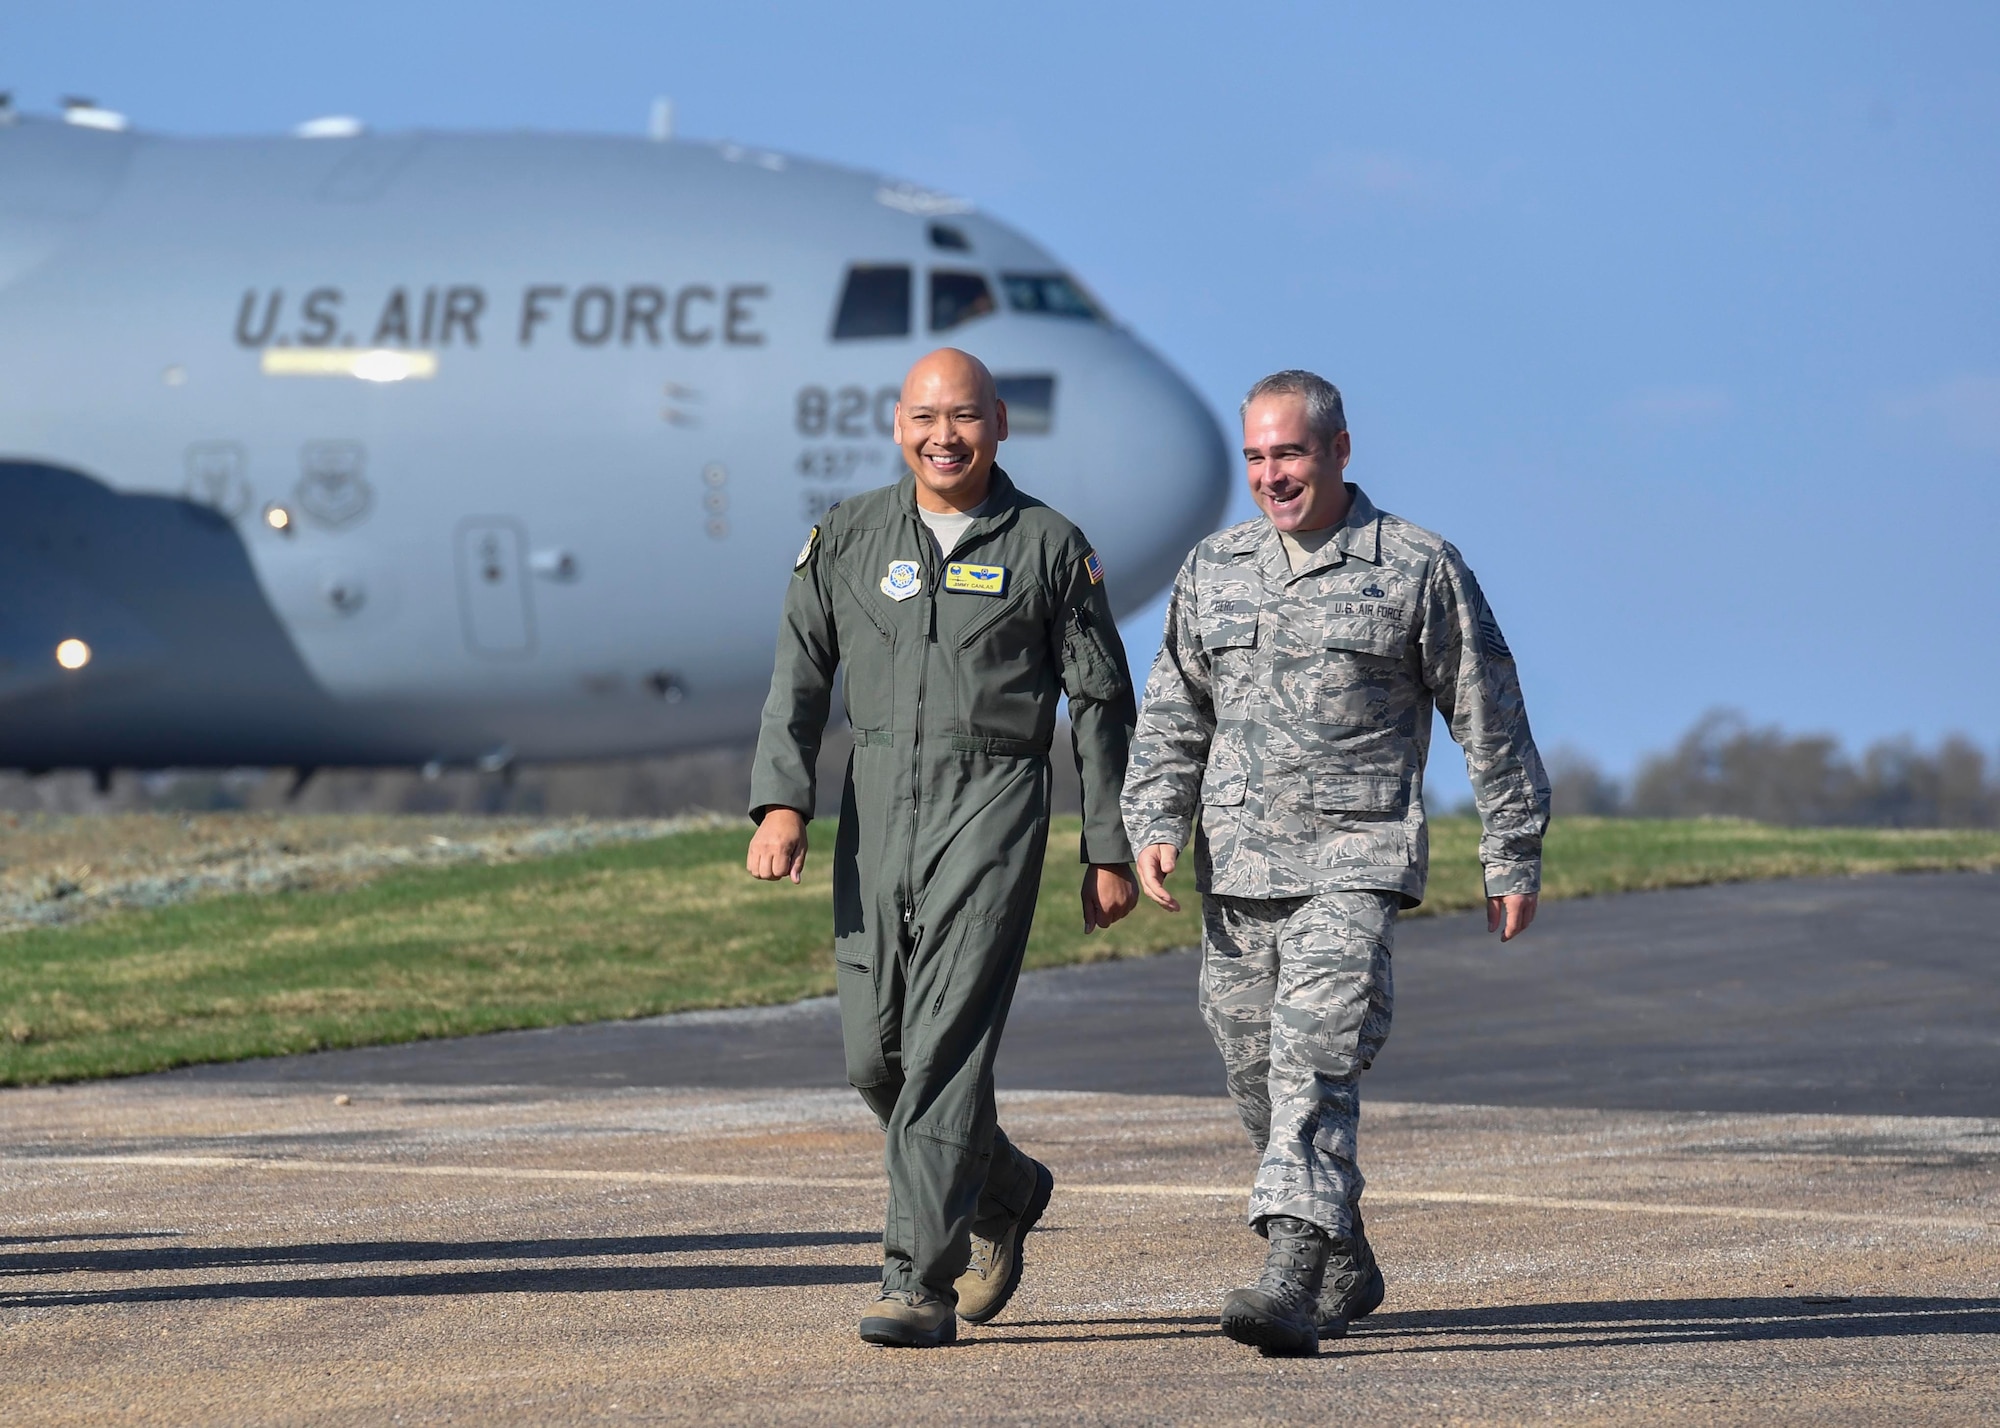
348	448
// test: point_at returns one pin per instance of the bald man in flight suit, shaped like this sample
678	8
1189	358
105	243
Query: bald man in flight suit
963	610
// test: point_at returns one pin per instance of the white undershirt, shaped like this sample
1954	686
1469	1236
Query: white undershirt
948	528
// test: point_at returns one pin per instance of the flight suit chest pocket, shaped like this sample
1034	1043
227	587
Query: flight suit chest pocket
868	658
1363	678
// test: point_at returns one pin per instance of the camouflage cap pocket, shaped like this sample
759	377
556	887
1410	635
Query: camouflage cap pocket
1364	636
1229	630
1358	793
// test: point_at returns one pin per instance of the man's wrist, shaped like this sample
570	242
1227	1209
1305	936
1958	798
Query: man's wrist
1513	879
1172	837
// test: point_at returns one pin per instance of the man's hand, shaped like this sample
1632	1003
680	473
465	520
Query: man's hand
1510	915
779	848
1156	863
1108	894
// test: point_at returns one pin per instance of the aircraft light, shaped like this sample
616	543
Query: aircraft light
72	654
278	518
88	114
331	126
373	364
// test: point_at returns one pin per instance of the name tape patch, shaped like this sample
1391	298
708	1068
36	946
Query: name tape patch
976	579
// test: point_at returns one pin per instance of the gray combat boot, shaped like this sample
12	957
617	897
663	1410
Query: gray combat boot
1279	1314
1353	1288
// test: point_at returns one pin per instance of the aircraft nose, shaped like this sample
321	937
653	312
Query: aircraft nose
1149	472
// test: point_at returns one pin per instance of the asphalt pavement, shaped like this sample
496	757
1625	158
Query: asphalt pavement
1605	1179
1877	995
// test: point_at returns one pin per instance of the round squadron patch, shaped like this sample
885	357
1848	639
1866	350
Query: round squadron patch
905	578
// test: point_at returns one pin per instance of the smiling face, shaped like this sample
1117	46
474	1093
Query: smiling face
1295	477
950	425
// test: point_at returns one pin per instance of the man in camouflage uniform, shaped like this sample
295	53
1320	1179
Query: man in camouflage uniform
1291	708
962	610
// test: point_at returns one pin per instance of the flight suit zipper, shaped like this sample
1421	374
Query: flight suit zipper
925	549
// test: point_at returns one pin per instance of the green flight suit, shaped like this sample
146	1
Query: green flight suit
952	677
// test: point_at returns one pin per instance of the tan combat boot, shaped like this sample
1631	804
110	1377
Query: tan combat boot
906	1319
994	1274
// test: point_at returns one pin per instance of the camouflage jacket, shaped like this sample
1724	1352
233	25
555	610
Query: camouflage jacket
1294	713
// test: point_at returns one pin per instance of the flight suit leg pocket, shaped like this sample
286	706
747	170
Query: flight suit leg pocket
865	1030
956	1011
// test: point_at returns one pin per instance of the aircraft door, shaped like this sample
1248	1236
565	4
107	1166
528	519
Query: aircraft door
494	601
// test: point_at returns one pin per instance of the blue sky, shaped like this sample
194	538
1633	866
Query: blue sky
1683	325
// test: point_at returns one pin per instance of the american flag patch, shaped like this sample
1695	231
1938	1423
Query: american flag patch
1095	567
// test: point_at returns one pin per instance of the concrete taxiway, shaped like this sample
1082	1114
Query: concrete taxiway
572	1226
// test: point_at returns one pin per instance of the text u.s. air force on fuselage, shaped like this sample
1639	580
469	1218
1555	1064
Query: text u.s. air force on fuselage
465	314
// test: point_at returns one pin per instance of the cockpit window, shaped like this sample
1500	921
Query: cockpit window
875	302
1052	293
1031	403
958	298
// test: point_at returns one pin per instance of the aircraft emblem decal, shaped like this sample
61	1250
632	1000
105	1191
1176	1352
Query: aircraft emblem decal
215	477
905	578
331	489
976	579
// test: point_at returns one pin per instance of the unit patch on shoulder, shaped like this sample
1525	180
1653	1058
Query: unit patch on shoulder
1095	567
905	578
806	550
976	579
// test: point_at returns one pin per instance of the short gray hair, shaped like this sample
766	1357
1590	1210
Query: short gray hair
1325	416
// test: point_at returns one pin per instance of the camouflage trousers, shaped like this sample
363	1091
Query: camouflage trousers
1298	993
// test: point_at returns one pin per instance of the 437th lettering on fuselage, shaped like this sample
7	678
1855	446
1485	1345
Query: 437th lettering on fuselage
461	314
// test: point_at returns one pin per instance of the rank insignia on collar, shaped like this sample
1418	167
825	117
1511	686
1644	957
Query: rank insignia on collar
905	578
976	579
1095	567
806	550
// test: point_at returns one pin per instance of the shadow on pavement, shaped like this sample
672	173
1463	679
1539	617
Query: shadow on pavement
409	1251
1605	1324
9	1240
607	1279
1644	1322
1101	1331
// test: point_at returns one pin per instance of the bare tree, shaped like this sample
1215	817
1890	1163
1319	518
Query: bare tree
1725	767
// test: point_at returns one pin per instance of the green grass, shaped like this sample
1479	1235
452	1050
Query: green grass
642	928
